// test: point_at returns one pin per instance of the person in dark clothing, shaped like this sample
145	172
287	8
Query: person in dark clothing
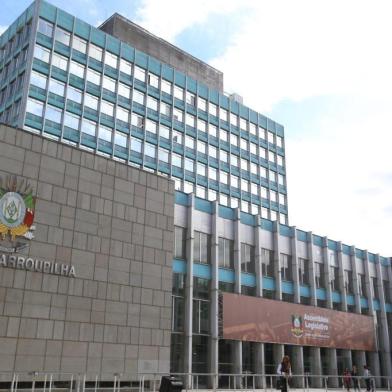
284	370
347	380
354	376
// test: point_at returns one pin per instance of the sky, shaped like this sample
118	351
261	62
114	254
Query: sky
322	69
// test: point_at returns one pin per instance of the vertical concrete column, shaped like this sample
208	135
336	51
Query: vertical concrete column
359	360
214	307
357	296
327	273
312	275
389	278
294	266
384	347
342	281
259	364
348	360
277	353
332	368
297	363
189	289
374	360
237	345
277	272
315	368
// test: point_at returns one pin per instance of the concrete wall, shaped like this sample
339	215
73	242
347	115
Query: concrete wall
114	223
162	50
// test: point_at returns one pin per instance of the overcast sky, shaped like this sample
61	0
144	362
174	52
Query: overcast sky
323	69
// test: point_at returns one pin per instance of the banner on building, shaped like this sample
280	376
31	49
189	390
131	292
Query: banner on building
264	320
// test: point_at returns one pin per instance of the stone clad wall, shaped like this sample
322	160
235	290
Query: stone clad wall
114	223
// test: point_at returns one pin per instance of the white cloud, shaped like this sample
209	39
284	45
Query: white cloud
167	19
2	29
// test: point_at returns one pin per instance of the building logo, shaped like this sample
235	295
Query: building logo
296	325
17	205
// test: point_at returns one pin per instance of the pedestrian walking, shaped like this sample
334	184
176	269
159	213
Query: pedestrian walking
347	379
284	371
355	379
368	379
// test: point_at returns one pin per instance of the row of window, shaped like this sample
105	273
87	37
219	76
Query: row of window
202	254
118	63
13	44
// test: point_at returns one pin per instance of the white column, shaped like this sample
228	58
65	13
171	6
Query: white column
297	363
294	266
214	307
237	345
277	272
332	368
259	365
312	276
357	296
342	282
316	368
189	290
384	348
327	273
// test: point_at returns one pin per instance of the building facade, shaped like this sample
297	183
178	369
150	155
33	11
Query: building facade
150	107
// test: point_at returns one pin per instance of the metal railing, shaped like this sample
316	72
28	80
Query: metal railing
150	382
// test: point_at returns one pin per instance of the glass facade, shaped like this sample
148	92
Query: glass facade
89	89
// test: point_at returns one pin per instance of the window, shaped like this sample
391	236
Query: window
138	97
179	93
267	262
226	253
150	150
91	101
244	144
107	108
53	114
178	115
165	109
125	67
95	52
247	258
93	77
153	80
319	275
212	109
163	155
224	156
262	152
201	147
362	285
62	36
201	125
151	126
105	134
223	177
177	137
254	189
303	271
244	185
252	128
202	248
122	114
348	281
202	104
177	160
189	142
79	44
140	74
253	148
136	145
212	130
77	69
279	141
59	61
223	135
271	156
71	121
190	120
45	27
270	137
56	87
190	99
109	84
124	91
74	95
334	278
234	160
375	287
243	124
285	267
111	60
152	103
212	174
233	119
41	53
244	164
38	80
164	131
89	127
201	169
223	114
166	86
189	165
279	160
234	181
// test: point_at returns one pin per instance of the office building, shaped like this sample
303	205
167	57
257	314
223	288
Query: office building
169	199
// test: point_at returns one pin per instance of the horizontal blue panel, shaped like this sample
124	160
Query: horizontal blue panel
248	280
203	205
317	240
350	299
376	304
372	257
346	249
268	283
302	236
202	271
304	291
364	302
179	266
359	253
287	287
388	308
247	219
321	294
336	297
181	198
226	275
286	231
226	212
